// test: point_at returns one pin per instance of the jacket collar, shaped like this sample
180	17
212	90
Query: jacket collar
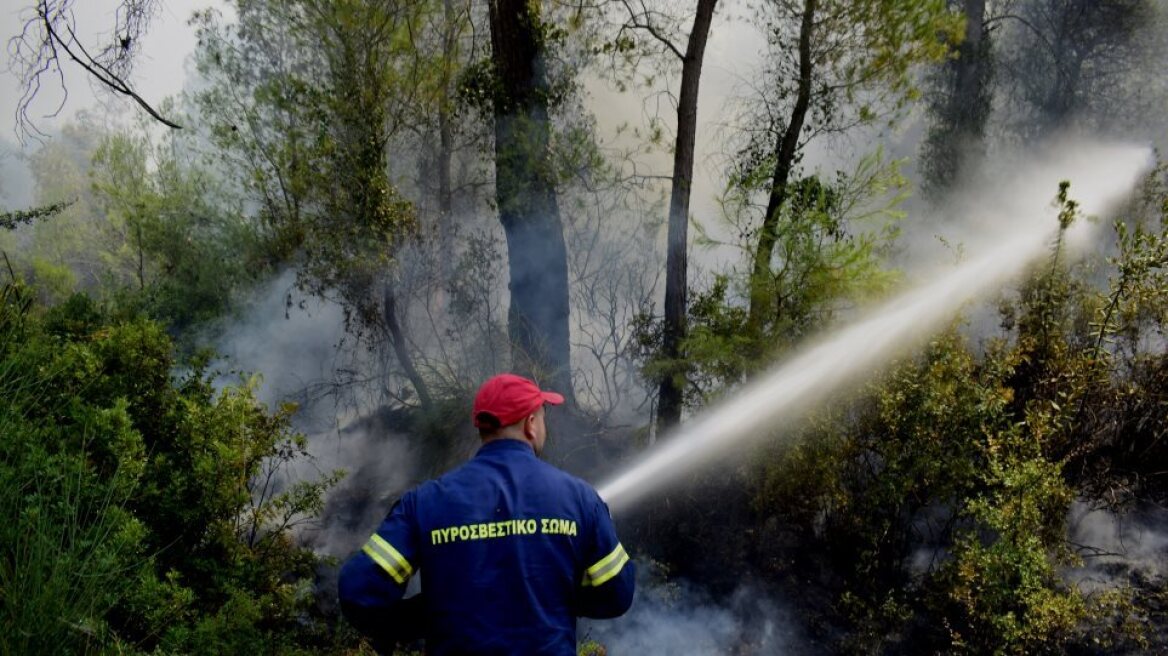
505	446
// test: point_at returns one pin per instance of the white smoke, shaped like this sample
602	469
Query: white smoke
1113	544
287	338
674	617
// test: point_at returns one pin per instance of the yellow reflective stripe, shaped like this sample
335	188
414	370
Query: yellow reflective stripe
377	558
388	558
606	567
393	553
600	564
613	571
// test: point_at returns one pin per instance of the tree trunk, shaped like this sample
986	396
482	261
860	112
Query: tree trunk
445	155
1068	63
526	197
786	149
446	129
672	385
397	340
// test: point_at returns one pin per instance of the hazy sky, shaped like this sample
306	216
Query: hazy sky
160	71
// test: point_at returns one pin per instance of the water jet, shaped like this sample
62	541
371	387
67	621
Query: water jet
1025	225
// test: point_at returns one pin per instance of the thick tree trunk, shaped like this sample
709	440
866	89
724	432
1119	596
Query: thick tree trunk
526	197
786	149
970	101
971	61
445	155
956	140
672	385
1068	65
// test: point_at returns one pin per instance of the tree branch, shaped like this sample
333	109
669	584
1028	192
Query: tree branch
103	74
653	31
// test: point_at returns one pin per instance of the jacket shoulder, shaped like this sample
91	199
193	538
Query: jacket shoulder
582	489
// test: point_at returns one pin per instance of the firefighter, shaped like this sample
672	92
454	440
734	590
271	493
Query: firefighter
511	549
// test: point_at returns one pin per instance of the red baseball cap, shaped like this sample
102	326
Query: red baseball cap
510	398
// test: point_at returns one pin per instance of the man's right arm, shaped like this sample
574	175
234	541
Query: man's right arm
606	590
372	582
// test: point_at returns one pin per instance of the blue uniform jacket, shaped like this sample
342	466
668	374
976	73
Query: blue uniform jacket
512	550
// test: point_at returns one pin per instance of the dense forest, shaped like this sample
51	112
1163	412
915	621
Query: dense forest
237	323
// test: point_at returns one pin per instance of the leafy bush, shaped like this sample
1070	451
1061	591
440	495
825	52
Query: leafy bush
147	509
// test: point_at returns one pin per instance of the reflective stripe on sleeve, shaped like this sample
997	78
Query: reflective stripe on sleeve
388	558
606	567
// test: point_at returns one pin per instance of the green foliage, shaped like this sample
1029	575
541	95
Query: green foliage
862	57
1003	580
935	438
53	281
70	546
145	511
321	174
828	245
137	224
10	220
591	648
187	255
480	89
72	240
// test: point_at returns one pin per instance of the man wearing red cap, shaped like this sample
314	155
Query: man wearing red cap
513	550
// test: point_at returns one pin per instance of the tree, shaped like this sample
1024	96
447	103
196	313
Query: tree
525	193
368	214
185	254
138	223
830	252
77	250
1071	60
851	62
670	390
303	103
